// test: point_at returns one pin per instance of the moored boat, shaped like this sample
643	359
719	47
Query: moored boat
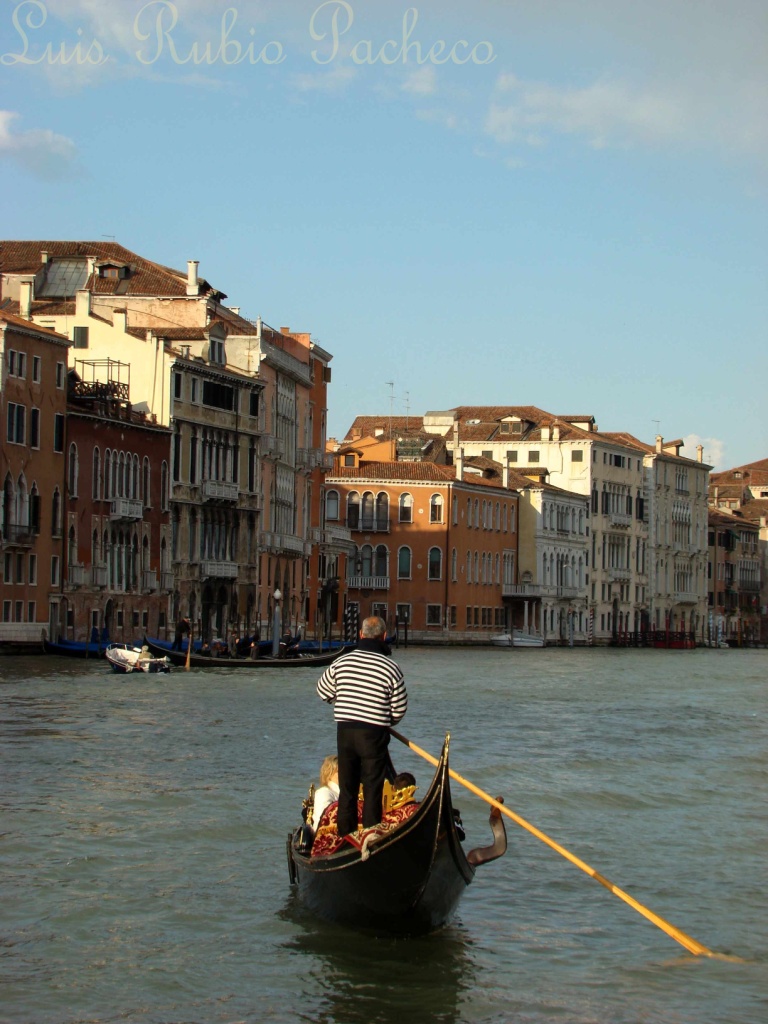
201	660
405	877
127	658
517	638
75	648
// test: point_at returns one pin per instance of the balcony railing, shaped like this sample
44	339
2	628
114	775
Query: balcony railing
686	597
166	580
149	579
368	582
521	590
284	542
126	508
219	570
619	574
272	447
366	524
99	575
75	574
619	519
219	490
15	536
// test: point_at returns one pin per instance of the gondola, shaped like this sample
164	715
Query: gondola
75	648
197	660
408	881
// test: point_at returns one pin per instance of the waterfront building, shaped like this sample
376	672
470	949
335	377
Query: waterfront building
118	578
33	368
245	403
435	546
734	578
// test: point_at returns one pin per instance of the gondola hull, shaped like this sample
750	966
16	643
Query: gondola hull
411	880
209	662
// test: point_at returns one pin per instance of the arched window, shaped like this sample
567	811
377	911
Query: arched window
71	547
72	470
164	495
469	567
367	511
353	510
435	567
146	492
404	563
366	560
56	513
380	559
454	565
406	508
382	511
484	514
477	513
135	478
96	475
107	490
436	508
332	505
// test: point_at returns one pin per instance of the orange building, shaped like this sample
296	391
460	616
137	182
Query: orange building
32	411
433	544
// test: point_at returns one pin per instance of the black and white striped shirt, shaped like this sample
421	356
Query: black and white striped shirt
364	686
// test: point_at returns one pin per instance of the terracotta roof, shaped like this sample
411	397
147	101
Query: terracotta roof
368	425
145	278
44	307
752	474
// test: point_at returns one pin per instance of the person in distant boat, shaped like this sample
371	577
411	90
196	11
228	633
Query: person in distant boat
367	689
328	792
183	626
289	645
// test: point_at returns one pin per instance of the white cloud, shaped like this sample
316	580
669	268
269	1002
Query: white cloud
38	150
714	450
422	82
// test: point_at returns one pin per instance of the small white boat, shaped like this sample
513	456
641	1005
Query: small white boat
517	639
126	658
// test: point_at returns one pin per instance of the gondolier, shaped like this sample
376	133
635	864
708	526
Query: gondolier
368	692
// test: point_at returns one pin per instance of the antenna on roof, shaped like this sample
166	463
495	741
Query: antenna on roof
658	424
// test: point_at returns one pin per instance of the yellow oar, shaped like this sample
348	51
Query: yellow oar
685	940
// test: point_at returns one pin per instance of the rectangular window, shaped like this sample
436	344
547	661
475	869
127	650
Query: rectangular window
6	611
21	364
534	456
403	612
36	369
177	385
33	570
218	396
11	362
511	456
19	568
80	337
31	611
19	611
434	614
469	616
58	432
253	403
119	618
194	390
8	569
34	428
59	375
577	456
16	424
54	570
487	455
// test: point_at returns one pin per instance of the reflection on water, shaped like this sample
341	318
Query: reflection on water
348	976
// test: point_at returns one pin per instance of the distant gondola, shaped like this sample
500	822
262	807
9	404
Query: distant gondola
197	660
409	881
75	648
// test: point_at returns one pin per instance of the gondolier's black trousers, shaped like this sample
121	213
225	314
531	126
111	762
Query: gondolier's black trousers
363	757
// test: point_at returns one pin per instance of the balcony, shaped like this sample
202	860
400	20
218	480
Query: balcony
619	574
219	490
219	570
569	593
166	580
686	597
272	447
620	519
15	536
521	590
368	582
284	542
148	580
365	524
126	509
99	575
75	574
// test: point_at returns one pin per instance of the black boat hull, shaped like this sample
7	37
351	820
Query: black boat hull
210	662
410	882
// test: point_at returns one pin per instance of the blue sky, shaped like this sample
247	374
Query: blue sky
568	211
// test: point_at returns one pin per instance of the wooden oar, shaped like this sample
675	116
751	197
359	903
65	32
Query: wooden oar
189	648
685	940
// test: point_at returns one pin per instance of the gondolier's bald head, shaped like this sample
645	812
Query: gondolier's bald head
373	626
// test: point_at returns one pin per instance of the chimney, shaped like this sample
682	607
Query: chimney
458	462
44	256
699	452
193	288
556	432
505	475
120	320
659	443
26	285
545	433
82	304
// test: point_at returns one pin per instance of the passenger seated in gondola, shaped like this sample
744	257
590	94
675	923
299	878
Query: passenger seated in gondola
328	791
399	792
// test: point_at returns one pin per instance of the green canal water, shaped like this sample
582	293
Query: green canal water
143	824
